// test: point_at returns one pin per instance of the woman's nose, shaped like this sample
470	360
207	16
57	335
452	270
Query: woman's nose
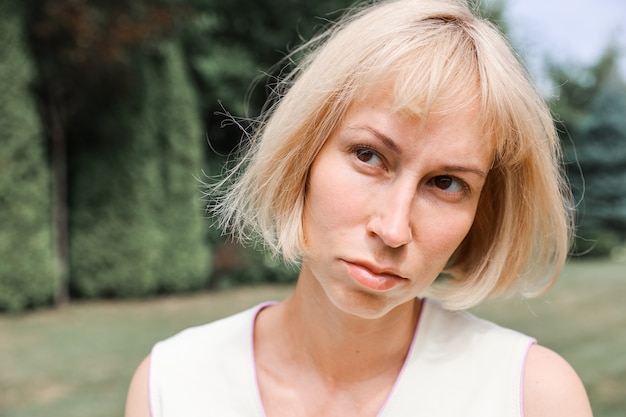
391	218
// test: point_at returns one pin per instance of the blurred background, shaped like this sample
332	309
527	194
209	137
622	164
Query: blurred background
112	111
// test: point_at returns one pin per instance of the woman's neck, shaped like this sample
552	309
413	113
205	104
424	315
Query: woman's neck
315	334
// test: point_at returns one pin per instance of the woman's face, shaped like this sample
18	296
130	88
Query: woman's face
388	201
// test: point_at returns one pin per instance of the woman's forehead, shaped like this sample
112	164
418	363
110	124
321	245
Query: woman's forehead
419	107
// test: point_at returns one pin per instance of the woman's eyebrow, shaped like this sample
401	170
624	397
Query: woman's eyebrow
386	140
471	170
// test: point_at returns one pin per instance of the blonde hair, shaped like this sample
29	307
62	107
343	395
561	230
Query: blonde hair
437	56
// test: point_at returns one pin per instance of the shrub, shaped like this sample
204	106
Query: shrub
26	258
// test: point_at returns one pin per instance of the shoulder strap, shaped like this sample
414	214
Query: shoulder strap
460	365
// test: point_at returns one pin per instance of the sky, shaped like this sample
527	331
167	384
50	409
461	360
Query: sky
568	31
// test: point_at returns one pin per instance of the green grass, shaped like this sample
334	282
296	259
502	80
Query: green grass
78	360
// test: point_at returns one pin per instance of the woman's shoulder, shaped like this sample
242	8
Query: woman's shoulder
552	387
138	398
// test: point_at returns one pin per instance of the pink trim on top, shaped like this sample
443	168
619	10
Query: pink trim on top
521	382
406	359
257	310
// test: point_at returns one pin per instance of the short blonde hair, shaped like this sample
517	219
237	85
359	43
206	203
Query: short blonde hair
437	56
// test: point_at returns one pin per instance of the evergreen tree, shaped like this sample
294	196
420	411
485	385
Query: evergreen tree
137	224
181	150
26	266
86	73
114	236
592	105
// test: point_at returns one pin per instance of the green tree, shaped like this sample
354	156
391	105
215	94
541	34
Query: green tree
137	224
114	236
591	106
126	143
83	50
27	268
232	48
185	260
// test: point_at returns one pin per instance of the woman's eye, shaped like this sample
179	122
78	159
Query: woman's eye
447	183
368	156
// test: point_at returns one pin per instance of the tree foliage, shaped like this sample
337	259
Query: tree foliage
137	225
124	125
85	56
591	106
26	270
185	265
233	47
83	50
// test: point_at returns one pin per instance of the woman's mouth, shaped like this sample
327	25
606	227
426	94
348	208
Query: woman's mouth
372	277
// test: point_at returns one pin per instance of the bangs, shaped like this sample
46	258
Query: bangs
433	71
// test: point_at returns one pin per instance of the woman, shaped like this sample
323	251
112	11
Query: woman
411	169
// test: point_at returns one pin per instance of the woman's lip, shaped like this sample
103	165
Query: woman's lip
372	277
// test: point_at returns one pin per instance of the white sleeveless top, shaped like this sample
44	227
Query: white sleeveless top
458	365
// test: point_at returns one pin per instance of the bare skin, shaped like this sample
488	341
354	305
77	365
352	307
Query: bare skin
137	402
552	387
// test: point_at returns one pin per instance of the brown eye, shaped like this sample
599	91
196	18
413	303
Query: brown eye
443	182
368	156
448	183
364	154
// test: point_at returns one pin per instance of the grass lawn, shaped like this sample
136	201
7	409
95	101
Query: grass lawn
78	360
